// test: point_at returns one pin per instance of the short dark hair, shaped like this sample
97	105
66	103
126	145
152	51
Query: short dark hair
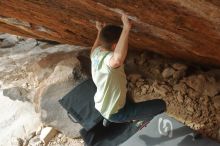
110	34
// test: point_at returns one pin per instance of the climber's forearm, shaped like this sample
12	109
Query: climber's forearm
97	42
121	49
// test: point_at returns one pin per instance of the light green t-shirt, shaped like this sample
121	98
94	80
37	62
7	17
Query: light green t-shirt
110	83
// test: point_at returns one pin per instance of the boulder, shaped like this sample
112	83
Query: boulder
168	72
7	41
42	76
58	84
16	93
173	28
179	66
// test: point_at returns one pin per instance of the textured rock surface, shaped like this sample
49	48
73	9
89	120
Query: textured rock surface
59	83
178	28
190	91
40	74
16	93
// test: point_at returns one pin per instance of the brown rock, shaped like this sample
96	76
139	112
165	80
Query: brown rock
180	87
143	90
161	89
193	94
196	82
211	87
198	113
168	72
180	98
58	84
218	117
134	77
181	36
190	109
216	101
139	83
142	59
179	74
187	100
180	67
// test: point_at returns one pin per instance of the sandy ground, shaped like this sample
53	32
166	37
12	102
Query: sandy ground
19	119
16	118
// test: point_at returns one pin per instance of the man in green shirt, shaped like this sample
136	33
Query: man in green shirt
108	55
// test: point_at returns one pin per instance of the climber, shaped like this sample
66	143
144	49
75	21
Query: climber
108	55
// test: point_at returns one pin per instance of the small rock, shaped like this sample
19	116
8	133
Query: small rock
162	90
218	117
143	90
139	83
180	98
187	100
178	75
81	141
196	82
168	72
47	134
216	101
198	113
131	85
211	89
179	66
16	93
60	135
58	141
33	134
64	140
142	59
9	41
35	142
134	77
180	87
206	101
20	141
146	86
136	93
190	109
193	94
38	131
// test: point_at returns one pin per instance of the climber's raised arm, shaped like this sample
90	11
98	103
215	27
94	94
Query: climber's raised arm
121	48
99	27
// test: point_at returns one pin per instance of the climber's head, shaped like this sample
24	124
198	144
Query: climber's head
109	36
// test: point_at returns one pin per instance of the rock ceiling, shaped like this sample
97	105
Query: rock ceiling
184	29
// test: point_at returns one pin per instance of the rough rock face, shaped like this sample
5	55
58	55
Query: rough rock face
53	88
183	29
190	91
40	74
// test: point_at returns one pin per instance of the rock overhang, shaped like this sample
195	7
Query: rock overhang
188	30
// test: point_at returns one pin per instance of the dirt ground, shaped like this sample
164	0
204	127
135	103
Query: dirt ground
191	91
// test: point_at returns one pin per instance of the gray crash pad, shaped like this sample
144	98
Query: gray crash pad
166	131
